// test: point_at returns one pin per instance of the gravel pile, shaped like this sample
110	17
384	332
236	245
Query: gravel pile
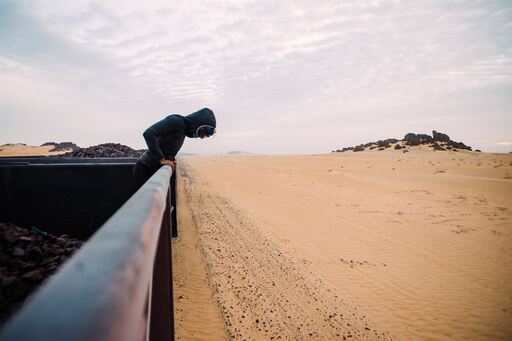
105	150
27	258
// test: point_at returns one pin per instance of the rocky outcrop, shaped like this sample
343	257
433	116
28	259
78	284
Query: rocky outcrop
62	146
438	141
440	136
412	139
437	146
458	145
385	143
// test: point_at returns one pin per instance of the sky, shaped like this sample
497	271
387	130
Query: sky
283	77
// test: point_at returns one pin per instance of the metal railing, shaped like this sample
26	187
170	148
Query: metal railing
118	286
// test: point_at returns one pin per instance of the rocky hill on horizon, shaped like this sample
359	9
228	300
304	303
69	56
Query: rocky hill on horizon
61	146
438	142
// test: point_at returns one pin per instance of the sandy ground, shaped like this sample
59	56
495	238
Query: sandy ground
369	245
25	150
197	316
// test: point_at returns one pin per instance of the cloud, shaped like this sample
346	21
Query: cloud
379	48
264	63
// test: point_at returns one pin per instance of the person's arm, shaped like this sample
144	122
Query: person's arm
165	126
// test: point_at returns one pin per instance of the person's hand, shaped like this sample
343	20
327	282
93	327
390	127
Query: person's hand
165	162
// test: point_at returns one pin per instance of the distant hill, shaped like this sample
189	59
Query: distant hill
238	152
61	146
22	149
438	142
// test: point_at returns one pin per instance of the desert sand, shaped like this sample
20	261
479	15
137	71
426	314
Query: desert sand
370	245
196	315
19	149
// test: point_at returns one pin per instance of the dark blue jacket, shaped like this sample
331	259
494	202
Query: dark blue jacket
165	138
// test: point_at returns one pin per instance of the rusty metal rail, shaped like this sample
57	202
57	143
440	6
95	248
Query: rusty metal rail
118	286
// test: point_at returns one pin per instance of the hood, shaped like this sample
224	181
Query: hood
202	117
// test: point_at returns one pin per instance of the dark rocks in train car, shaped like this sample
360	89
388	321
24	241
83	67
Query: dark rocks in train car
107	150
27	258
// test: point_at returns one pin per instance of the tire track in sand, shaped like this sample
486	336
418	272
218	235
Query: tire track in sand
262	292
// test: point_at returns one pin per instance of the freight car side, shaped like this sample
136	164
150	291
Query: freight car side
76	196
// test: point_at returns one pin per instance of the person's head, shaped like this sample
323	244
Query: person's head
200	124
204	131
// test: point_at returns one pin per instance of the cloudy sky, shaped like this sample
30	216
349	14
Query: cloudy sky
282	76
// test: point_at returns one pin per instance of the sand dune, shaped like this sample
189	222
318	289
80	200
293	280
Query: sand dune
19	149
370	245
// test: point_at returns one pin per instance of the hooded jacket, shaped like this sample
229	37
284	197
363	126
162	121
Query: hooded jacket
165	138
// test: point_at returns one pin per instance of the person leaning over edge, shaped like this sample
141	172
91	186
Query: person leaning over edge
165	138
